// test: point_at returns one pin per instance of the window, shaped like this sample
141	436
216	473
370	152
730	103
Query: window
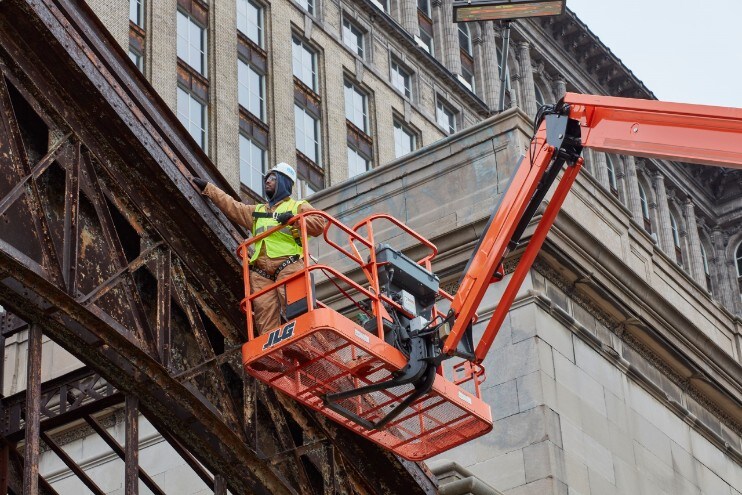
191	43
706	270
305	63
467	61
645	209
405	139
251	89
676	239
424	7
252	164
540	100
250	20
445	116
425	41
401	79
612	181
137	58
356	106
307	5
307	134
465	38
357	164
500	60
425	24
192	114
382	4
738	263
303	189
136	12
352	36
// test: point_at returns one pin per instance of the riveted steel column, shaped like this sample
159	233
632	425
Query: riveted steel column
220	486
131	458
33	411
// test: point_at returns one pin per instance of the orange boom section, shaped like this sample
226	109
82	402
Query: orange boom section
337	354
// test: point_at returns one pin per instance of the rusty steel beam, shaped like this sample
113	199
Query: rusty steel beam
73	395
33	411
131	454
71	464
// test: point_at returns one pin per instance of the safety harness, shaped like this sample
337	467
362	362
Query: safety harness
291	259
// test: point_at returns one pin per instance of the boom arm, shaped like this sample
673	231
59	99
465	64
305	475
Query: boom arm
688	133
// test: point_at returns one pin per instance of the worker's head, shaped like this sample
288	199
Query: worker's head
278	182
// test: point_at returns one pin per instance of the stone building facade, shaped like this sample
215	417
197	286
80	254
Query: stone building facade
585	401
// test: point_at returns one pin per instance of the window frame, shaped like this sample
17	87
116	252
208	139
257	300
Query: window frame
259	26
365	126
204	116
442	106
368	163
298	41
308	5
137	7
644	205
360	43
203	42
612	175
263	167
401	68
261	97
675	230
317	138
706	268
406	130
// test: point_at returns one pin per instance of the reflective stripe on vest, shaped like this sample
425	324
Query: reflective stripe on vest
282	242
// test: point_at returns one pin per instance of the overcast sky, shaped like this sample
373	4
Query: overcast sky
682	50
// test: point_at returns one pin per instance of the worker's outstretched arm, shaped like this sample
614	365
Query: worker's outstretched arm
237	211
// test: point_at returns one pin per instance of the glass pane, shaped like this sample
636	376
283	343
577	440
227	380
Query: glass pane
355	107
183	107
182	37
304	63
404	140
252	163
250	20
356	163
250	89
136	12
307	134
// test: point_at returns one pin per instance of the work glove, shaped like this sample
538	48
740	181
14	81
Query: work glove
200	183
284	217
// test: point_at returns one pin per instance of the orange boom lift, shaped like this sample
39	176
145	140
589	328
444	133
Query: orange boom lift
380	368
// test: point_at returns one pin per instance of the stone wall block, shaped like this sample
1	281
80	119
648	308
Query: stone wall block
504	471
580	383
503	399
544	460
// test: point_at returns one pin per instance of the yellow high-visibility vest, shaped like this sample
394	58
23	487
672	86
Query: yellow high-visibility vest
282	242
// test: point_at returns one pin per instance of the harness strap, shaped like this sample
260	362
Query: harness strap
286	262
263	214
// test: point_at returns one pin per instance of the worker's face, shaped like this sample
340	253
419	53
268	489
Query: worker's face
270	184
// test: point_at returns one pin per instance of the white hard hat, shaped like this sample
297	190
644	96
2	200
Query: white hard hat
286	170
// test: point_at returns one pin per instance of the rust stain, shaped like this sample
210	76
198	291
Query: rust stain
86	240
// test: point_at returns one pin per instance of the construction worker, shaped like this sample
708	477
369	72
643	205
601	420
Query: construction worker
278	255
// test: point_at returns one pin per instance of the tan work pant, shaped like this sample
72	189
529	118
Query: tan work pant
267	309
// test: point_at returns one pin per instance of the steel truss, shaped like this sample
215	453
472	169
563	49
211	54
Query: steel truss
107	249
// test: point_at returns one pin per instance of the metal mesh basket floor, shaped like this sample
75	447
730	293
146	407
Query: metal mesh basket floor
323	360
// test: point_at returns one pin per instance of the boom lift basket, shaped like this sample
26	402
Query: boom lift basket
322	357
